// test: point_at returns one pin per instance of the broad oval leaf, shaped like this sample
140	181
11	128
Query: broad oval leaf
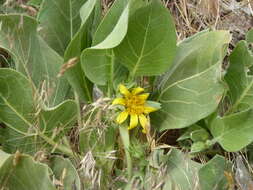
239	78
32	56
197	147
249	36
21	172
150	44
59	21
16	99
98	61
62	166
3	157
211	175
180	173
233	132
60	117
18	113
80	41
192	88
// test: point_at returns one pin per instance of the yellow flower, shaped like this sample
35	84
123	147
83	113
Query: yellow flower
135	104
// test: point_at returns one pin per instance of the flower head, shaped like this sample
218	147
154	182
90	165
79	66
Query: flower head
135	106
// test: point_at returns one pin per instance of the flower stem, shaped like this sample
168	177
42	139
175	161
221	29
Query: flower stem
126	142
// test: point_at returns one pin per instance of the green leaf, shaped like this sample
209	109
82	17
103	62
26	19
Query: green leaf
211	175
64	171
1	133
199	135
17	110
227	130
98	61
80	41
150	44
93	139
32	56
198	146
18	113
101	143
34	3
3	157
249	36
233	132
120	74
21	172
187	132
181	171
59	21
192	88
61	117
239	81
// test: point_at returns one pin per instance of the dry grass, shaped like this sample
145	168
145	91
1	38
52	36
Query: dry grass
192	16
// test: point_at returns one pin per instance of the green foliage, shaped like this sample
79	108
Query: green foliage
80	41
150	43
65	172
233	132
34	3
212	174
109	34
59	22
36	175
192	88
18	112
249	36
56	17
64	67
180	172
239	79
32	56
3	157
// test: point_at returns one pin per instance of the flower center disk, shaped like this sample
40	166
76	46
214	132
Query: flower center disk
135	104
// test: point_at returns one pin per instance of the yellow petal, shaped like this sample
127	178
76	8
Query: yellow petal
120	101
123	90
122	117
148	109
144	121
143	96
137	90
133	121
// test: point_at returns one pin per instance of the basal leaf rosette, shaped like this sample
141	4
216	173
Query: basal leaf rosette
135	105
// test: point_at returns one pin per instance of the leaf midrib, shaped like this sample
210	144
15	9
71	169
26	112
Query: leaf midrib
220	138
143	47
16	112
43	136
245	92
185	79
71	19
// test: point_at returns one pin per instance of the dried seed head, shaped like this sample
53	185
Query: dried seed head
71	63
